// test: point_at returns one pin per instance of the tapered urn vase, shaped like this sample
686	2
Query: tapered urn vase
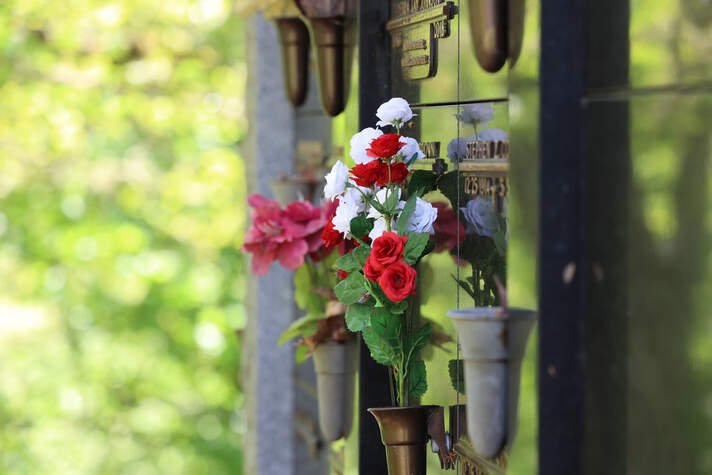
336	365
404	433
493	342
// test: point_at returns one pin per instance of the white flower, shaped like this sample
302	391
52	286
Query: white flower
476	114
480	217
355	196
457	148
492	135
411	148
379	225
345	212
336	180
394	112
423	217
362	141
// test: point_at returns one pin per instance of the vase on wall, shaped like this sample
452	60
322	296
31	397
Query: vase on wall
336	364
497	29
294	44
332	25
493	342
404	433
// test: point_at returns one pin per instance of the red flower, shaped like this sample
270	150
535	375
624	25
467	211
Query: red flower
366	174
387	249
342	274
370	271
398	281
385	146
446	228
331	236
398	173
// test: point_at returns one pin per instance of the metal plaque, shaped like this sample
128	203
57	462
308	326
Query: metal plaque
486	169
415	30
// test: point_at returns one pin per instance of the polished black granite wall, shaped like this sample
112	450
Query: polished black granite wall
625	113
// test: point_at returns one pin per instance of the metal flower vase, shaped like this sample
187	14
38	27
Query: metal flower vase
332	24
336	365
404	432
497	29
493	342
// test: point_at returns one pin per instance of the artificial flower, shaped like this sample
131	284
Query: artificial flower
492	135
331	236
346	211
397	173
480	217
395	112
371	272
360	142
423	217
398	281
386	250
385	146
447	228
411	149
476	114
336	180
457	148
367	174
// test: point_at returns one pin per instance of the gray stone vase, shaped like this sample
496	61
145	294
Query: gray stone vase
493	341
336	365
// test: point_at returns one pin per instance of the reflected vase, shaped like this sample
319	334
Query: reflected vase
493	342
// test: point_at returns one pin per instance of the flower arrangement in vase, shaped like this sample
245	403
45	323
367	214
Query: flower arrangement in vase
380	209
293	236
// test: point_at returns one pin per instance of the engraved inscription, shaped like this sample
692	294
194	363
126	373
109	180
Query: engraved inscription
430	149
481	149
415	30
415	45
476	185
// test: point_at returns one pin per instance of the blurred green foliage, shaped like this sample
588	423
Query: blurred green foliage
121	210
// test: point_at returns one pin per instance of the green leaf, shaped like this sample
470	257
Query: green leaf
358	317
361	253
465	286
405	215
448	185
398	308
412	160
304	296
414	247
457	375
348	262
360	226
351	289
421	182
392	200
500	243
383	337
414	343
301	354
304	326
417	379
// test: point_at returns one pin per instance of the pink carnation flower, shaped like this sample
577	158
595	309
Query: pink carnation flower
284	235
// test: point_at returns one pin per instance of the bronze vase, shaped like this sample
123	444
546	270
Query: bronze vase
294	42
404	432
332	24
497	29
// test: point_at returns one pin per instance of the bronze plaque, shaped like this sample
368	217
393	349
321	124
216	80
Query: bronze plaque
415	30
486	169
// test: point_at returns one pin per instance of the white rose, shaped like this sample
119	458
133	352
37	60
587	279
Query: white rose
345	212
379	225
411	148
476	114
362	141
336	180
394	112
423	217
457	148
355	196
480	217
492	135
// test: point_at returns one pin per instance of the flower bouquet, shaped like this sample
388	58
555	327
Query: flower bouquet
380	209
293	236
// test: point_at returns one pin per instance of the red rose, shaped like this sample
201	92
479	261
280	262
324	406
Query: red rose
385	146
367	174
342	274
398	281
371	272
387	249
398	173
331	236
